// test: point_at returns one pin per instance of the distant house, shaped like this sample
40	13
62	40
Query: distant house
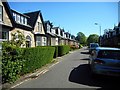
66	38
37	24
56	32
50	33
5	21
60	35
111	38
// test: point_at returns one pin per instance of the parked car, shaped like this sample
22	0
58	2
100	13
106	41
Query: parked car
105	61
93	46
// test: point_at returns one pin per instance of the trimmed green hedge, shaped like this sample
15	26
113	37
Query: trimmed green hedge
19	61
64	49
36	58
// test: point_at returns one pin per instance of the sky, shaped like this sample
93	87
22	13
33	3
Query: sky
74	17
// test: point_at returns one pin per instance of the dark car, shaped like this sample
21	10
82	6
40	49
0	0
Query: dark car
105	61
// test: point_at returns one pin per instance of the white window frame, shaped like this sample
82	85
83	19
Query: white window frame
25	21
21	19
1	13
38	41
14	15
18	18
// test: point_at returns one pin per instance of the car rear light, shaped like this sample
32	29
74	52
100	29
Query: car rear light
97	61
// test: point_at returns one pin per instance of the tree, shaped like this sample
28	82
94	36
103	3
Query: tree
18	39
93	38
81	38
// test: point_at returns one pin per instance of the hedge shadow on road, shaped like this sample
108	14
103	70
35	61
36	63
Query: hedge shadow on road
84	53
82	75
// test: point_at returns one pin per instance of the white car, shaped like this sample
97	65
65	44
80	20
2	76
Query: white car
105	61
93	46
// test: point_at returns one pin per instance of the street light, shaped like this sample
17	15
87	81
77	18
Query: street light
100	31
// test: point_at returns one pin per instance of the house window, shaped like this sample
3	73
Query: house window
28	41
21	19
14	16
4	35
1	13
38	41
44	39
39	26
25	21
18	18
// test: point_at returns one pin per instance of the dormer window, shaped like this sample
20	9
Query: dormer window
1	13
21	20
25	21
14	16
18	19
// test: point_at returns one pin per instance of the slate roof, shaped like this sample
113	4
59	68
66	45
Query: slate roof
33	18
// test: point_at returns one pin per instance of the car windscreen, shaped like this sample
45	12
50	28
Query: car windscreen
94	45
109	54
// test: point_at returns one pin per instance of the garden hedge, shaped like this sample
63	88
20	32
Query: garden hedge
36	58
64	49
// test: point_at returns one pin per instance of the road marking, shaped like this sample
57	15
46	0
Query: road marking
45	71
54	64
20	83
42	72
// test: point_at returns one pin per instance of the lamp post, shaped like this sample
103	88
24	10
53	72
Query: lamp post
100	31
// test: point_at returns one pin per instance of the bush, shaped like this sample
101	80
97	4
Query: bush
36	58
74	47
80	46
64	49
12	63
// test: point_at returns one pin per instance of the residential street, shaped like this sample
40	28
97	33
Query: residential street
71	72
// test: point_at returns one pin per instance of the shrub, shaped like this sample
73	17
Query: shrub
36	58
62	50
12	63
74	47
80	46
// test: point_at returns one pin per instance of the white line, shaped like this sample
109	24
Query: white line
41	72
53	65
45	71
19	83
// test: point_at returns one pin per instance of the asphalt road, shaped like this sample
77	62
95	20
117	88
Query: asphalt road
71	72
